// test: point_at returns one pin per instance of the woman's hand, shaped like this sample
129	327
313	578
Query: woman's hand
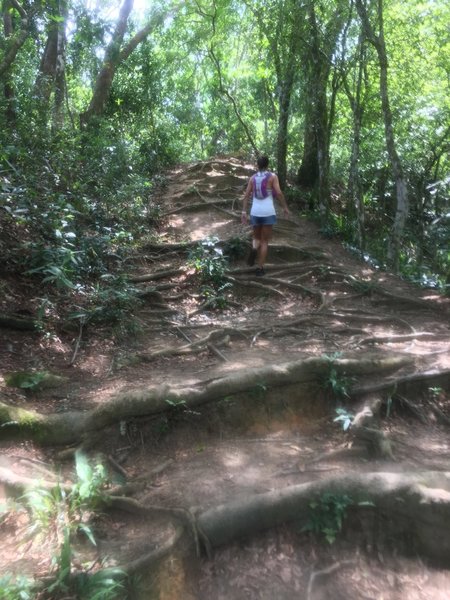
244	217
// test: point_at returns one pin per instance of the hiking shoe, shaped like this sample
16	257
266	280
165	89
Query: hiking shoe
260	272
252	257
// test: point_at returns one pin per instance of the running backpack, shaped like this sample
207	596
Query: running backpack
260	185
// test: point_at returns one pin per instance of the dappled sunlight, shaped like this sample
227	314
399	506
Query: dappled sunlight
233	459
205	229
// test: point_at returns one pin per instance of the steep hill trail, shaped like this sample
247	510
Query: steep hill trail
218	417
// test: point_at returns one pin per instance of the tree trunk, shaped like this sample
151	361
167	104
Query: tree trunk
47	68
282	28
112	59
16	41
60	70
316	146
402	207
283	118
115	55
356	204
308	172
8	29
314	170
50	79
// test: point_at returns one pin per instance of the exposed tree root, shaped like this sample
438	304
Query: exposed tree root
412	408
323	572
365	427
394	339
156	275
18	322
255	284
198	206
216	205
429	377
317	294
154	555
169	247
218	337
441	416
21	482
71	427
402	301
420	502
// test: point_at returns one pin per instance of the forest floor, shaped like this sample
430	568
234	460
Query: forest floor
316	300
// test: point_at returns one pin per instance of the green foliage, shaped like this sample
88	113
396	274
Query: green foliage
87	491
106	584
338	226
16	588
63	513
335	381
259	391
26	380
327	514
112	299
74	199
209	261
435	392
34	380
235	248
344	417
216	297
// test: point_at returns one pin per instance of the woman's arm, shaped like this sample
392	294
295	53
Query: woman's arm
247	196
279	195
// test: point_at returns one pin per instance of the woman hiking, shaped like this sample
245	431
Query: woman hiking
263	187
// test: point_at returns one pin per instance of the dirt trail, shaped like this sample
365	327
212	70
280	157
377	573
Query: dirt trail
316	300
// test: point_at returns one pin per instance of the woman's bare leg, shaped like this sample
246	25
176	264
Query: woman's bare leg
257	236
264	239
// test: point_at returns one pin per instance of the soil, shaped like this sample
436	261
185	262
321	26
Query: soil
317	298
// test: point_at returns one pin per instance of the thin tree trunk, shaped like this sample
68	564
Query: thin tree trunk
112	59
16	41
285	23
8	29
356	204
60	71
315	166
320	73
283	120
224	91
115	56
47	69
308	172
402	208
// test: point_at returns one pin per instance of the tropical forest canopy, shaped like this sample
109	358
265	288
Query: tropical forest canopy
350	98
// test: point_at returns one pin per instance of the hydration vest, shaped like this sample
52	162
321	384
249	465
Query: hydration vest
260	184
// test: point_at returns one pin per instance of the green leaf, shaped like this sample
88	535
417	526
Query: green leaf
83	469
25	379
88	533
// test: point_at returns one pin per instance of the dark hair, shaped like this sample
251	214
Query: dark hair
262	162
